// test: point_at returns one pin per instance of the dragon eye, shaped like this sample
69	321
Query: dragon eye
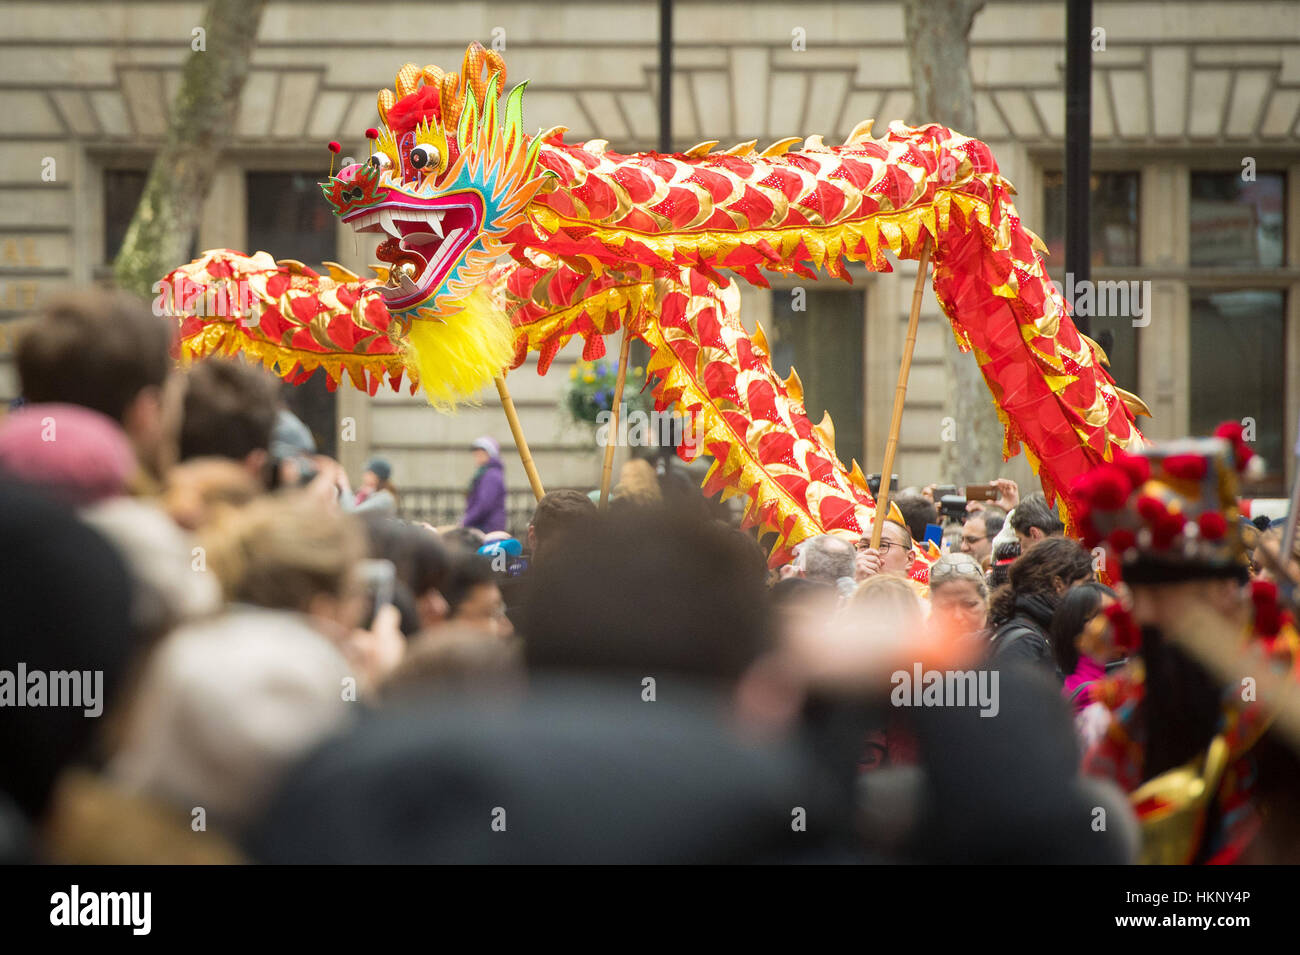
425	156
379	162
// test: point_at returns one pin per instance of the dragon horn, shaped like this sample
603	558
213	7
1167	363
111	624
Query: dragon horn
472	70
451	100
408	78
386	101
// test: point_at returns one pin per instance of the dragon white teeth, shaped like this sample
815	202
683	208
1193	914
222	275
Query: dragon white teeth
386	220
435	221
444	250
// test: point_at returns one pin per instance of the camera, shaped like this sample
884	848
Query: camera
952	507
952	499
873	483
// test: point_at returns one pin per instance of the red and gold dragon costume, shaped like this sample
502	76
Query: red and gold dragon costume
498	244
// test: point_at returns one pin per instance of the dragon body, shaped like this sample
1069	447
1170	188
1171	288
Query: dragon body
498	244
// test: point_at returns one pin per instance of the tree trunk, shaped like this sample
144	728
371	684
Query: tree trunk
202	122
938	44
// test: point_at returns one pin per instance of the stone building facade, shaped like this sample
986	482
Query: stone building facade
1196	129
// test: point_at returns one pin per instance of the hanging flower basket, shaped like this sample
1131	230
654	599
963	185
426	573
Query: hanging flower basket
591	391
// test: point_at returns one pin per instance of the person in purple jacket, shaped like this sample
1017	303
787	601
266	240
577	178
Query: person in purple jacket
485	504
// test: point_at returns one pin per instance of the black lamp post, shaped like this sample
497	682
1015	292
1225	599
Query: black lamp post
1078	147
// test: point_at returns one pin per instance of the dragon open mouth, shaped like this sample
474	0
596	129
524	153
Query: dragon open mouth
425	240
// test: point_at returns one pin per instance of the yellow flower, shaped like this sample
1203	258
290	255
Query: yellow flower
589	378
638	371
573	373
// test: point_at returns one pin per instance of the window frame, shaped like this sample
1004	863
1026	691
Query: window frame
1244	270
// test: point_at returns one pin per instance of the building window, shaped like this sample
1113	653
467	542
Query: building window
824	343
122	191
289	218
1238	369
1235	223
1113	224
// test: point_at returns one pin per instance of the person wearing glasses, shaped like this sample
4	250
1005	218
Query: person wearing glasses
959	595
978	532
894	556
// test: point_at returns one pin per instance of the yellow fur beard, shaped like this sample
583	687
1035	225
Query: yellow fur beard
457	356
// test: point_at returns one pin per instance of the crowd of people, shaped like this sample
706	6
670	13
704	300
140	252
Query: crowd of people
292	672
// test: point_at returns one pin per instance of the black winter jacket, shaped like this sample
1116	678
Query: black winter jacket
1023	638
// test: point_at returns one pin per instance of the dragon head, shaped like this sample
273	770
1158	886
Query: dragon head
451	173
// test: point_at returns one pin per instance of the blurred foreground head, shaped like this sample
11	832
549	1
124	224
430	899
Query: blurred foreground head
649	591
105	350
229	412
638	485
67	609
889	603
68	453
557	512
455	658
286	552
579	768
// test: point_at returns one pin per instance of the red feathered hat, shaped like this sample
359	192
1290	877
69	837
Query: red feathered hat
1168	512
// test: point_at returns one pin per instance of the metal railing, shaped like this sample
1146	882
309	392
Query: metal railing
441	506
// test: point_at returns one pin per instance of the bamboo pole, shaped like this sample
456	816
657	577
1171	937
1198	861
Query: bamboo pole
516	429
900	393
607	470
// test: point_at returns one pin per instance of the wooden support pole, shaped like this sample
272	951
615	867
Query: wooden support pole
521	442
900	393
607	470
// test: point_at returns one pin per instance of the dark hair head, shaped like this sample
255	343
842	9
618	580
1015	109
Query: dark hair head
230	408
1035	573
419	559
558	511
994	519
97	348
1034	511
748	548
67	598
1077	607
917	512
430	563
467	572
648	592
791	591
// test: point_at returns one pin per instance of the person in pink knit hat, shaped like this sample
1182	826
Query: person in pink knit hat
75	455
